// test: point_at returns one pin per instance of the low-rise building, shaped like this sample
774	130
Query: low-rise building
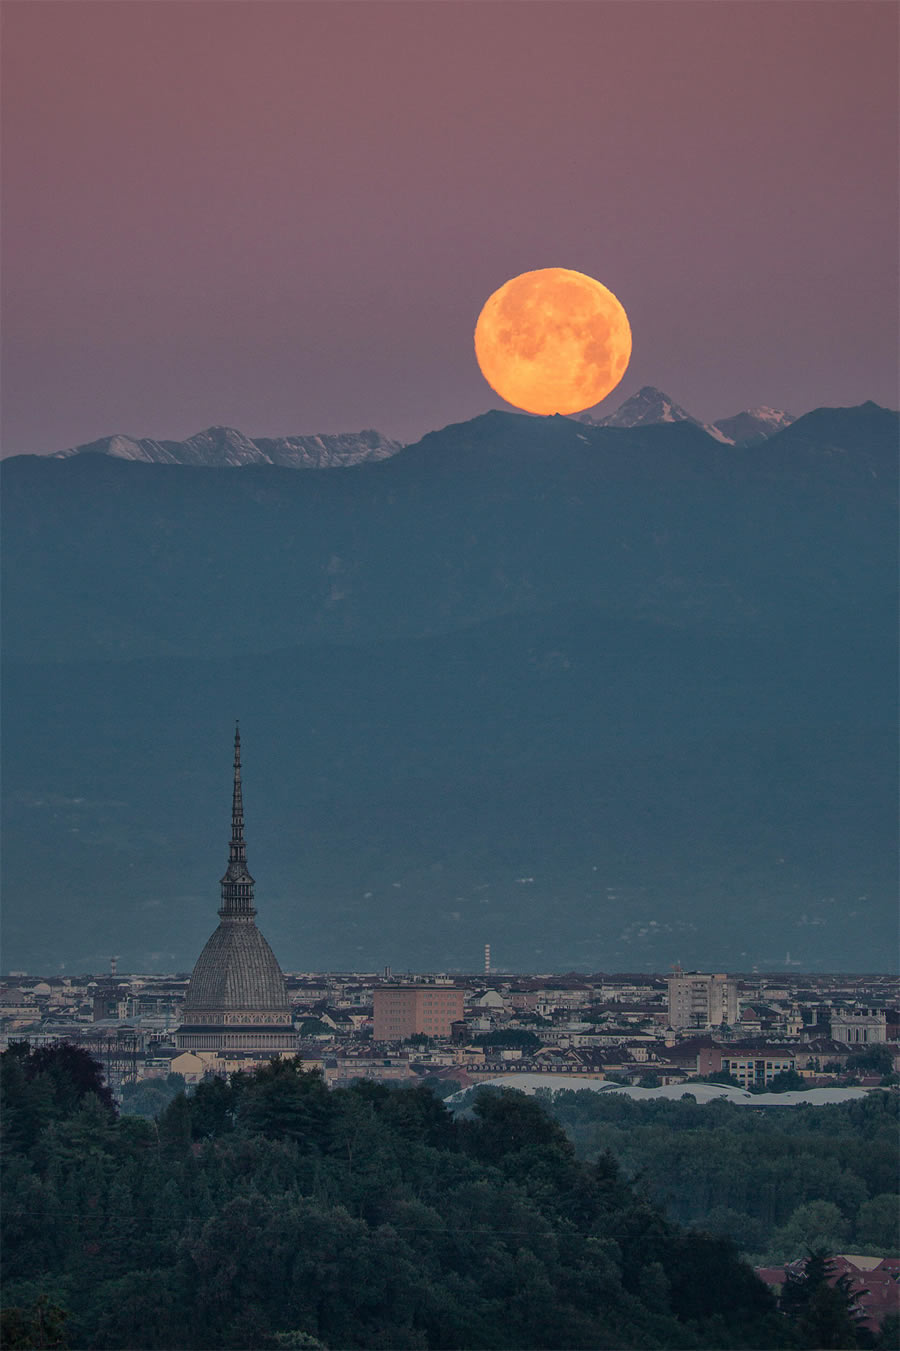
342	1070
758	1065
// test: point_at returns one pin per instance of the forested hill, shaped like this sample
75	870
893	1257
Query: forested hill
778	1181
630	663
269	1212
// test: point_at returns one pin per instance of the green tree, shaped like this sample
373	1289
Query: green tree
719	1077
314	1027
74	1074
878	1224
42	1325
507	1121
146	1098
441	1087
368	1217
786	1081
818	1226
823	1309
213	1107
175	1127
876	1059
138	1309
44	1086
284	1101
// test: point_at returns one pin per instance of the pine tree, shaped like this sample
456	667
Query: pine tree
824	1310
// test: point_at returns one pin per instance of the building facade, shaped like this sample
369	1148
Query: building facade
402	1011
859	1027
755	1067
698	1000
236	1000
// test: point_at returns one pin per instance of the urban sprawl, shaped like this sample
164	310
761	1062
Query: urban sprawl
645	1030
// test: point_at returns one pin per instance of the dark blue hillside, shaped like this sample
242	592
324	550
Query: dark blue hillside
505	514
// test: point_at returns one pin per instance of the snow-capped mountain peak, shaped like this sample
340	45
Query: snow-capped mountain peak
226	447
649	407
754	424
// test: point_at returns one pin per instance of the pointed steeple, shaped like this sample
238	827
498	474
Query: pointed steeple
237	884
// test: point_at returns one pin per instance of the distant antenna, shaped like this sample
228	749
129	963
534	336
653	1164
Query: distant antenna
114	966
487	959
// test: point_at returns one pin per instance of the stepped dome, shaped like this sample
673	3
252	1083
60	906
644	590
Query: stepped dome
236	1001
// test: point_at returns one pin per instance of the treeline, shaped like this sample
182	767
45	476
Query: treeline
271	1212
777	1180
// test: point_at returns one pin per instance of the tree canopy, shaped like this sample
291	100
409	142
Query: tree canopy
269	1211
777	1180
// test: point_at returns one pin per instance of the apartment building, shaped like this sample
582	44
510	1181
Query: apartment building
699	1000
402	1011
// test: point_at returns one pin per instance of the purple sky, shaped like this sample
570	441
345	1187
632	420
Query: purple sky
286	216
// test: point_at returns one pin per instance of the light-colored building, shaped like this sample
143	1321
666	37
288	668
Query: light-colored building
193	1065
859	1027
758	1066
402	1011
343	1070
697	1000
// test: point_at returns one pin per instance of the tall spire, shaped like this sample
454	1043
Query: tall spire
237	884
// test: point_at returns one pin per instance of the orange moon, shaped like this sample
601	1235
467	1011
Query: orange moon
553	341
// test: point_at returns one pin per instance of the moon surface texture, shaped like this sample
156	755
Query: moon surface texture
553	341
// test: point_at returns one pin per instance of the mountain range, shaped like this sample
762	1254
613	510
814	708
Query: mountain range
650	406
224	447
606	697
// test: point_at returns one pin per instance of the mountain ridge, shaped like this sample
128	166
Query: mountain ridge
648	407
503	513
220	446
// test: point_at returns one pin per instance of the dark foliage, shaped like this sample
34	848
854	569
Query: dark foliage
271	1212
824	1311
48	1085
874	1059
786	1081
41	1325
775	1180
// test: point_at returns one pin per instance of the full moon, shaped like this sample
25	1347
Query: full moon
553	341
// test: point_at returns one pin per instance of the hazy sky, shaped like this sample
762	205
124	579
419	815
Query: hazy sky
286	216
